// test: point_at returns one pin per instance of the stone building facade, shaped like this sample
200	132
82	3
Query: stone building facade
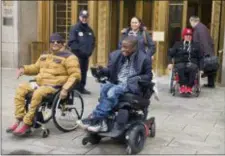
33	22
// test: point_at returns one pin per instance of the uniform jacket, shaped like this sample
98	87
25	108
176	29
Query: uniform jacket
202	36
141	64
82	40
181	55
141	42
56	70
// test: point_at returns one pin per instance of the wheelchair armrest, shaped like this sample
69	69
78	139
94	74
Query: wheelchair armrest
146	84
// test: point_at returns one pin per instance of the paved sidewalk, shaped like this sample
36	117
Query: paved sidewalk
184	125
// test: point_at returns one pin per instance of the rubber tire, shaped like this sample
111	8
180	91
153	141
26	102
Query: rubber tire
133	134
54	110
152	130
45	133
85	141
95	139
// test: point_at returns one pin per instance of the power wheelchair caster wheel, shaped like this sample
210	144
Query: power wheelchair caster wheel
45	133
85	141
152	130
135	139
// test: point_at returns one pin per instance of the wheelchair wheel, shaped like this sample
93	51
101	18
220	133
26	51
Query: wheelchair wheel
135	139
171	82
66	112
42	115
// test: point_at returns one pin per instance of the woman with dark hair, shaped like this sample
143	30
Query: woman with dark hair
138	29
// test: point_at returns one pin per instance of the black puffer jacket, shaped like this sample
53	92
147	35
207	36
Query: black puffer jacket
180	53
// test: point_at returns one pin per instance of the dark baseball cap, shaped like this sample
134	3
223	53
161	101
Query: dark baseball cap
56	37
84	13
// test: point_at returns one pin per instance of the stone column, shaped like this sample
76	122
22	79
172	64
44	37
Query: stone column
215	22
103	32
27	30
93	22
223	64
160	23
9	29
139	8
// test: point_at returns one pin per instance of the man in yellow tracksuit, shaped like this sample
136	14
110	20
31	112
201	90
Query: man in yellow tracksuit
54	70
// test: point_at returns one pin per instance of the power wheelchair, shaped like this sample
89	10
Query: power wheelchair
133	126
174	83
70	109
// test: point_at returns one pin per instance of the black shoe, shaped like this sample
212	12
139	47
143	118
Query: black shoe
84	91
209	86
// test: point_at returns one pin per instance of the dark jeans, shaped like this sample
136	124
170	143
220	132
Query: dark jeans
186	73
84	68
109	98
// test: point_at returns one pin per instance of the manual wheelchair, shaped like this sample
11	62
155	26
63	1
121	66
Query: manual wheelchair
174	83
128	122
70	109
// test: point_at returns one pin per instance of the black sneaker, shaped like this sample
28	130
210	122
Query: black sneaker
209	86
84	91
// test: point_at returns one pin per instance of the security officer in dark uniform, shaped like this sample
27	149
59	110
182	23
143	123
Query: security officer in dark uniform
82	43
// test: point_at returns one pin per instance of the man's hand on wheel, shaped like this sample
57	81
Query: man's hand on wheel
63	94
19	72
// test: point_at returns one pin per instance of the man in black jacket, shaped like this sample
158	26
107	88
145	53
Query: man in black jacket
82	42
125	68
202	36
187	59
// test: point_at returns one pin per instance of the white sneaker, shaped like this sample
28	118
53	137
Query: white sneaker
85	123
99	127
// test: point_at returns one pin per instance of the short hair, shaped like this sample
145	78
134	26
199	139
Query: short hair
194	19
132	39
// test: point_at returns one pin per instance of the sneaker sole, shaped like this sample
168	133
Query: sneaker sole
23	134
92	130
82	125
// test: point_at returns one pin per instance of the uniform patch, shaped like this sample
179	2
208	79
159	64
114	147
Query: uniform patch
42	58
58	61
81	34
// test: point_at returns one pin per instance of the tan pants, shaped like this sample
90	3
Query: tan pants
37	97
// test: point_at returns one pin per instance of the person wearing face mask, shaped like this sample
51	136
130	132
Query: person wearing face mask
125	68
187	60
57	69
137	29
82	43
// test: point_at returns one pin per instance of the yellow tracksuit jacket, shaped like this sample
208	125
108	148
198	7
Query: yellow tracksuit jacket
52	71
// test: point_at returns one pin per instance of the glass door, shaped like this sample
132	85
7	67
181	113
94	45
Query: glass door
62	17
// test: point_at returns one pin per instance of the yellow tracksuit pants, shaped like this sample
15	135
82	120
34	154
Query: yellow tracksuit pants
37	97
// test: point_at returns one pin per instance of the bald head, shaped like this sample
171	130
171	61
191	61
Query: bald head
132	40
129	45
194	20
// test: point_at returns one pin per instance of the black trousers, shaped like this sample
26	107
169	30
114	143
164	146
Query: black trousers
186	73
211	79
84	68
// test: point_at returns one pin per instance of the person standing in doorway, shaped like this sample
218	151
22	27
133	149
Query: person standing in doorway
202	36
82	43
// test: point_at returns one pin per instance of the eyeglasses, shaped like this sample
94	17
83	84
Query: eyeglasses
56	42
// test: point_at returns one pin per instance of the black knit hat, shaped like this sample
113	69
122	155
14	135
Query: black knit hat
56	37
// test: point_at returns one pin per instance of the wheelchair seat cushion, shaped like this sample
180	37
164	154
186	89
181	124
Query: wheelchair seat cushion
134	101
